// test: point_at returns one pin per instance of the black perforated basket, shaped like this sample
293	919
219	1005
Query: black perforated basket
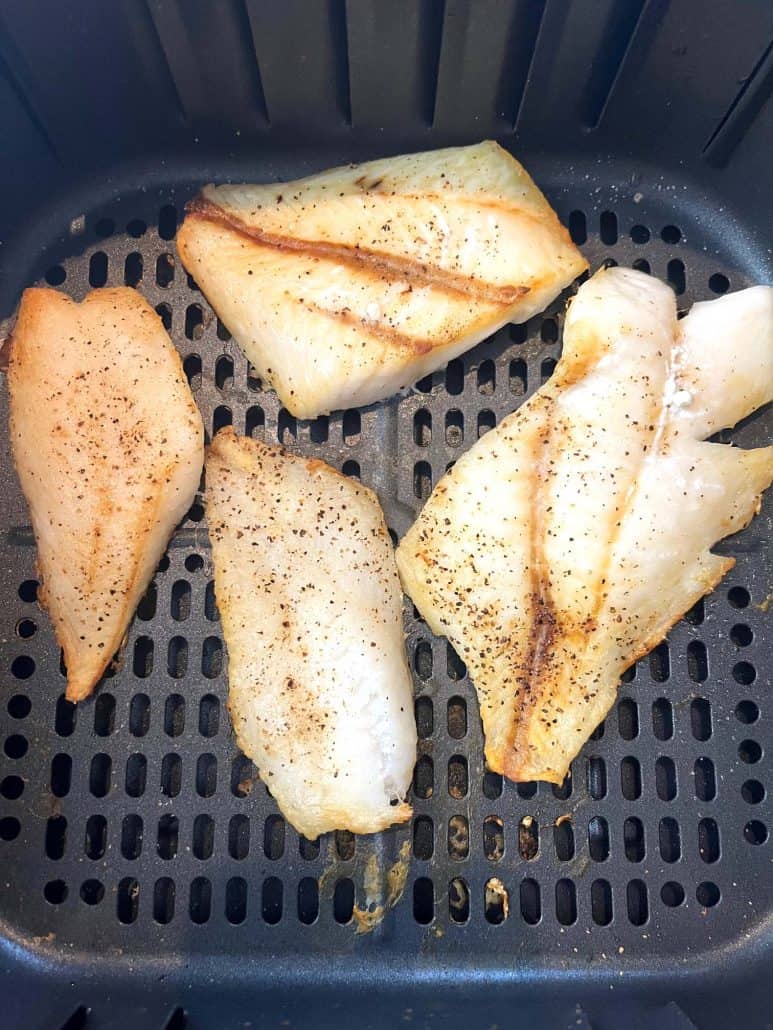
146	878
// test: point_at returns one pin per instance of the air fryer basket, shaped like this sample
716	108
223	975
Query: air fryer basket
146	878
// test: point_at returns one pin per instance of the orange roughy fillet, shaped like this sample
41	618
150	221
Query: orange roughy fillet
568	540
345	287
109	446
319	690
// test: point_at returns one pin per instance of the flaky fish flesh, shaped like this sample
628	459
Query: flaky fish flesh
347	286
567	541
319	689
109	448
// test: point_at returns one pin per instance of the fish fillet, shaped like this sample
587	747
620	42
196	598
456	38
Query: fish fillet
109	448
345	287
565	543
320	693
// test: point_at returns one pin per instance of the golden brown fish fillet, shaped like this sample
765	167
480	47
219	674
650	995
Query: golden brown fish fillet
345	287
109	448
566	543
319	690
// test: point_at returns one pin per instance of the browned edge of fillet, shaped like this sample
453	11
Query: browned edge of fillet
361	257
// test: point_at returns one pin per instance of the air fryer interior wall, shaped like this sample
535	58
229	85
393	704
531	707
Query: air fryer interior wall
143	867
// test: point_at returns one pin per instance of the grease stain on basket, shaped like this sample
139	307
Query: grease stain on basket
330	873
244	787
380	888
497	899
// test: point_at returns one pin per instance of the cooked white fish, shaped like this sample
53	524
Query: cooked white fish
109	447
566	543
345	287
319	689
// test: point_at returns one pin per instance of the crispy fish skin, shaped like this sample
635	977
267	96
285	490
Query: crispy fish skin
320	695
565	544
109	447
345	287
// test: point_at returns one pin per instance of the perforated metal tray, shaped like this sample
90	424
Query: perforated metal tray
143	868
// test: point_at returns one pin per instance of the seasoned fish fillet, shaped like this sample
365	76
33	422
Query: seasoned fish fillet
345	287
109	448
320	694
565	543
